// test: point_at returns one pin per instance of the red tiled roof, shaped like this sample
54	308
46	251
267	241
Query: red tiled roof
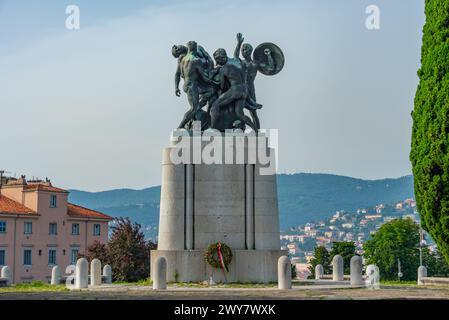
77	211
8	206
41	187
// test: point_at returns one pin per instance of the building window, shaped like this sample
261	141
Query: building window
28	228
27	257
53	228
53	202
96	229
52	257
2	258
74	256
2	226
75	229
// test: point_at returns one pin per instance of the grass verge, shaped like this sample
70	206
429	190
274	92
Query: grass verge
35	286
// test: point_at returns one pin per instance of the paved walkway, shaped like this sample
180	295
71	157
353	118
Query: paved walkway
322	285
319	292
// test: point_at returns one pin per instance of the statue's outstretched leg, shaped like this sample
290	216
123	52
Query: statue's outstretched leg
193	97
187	117
223	100
239	107
255	117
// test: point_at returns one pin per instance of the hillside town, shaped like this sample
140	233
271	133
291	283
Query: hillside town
354	227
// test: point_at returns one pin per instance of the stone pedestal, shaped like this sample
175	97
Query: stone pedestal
258	266
219	190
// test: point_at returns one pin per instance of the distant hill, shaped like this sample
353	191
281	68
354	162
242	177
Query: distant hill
140	206
303	197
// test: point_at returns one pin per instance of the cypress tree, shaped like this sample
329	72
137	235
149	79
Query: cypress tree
430	134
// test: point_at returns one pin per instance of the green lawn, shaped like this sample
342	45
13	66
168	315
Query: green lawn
36	286
146	282
396	283
39	286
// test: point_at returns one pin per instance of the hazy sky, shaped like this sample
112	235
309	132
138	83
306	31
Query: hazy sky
93	108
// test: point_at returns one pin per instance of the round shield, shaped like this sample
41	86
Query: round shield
261	57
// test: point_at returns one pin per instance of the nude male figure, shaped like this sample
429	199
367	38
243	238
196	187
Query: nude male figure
178	50
251	67
196	80
235	91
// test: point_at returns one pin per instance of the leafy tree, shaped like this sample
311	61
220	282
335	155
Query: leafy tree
294	273
430	133
346	250
98	250
397	239
435	263
127	252
321	256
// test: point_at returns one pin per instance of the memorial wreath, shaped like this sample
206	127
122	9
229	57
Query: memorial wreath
218	255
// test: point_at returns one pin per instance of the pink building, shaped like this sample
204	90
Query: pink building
40	229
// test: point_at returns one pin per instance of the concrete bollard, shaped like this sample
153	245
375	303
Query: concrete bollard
356	271
81	274
70	271
95	272
422	273
319	272
337	268
370	269
284	273
160	274
107	273
6	274
372	280
55	276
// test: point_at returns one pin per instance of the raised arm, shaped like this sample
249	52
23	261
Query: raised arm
206	56
239	45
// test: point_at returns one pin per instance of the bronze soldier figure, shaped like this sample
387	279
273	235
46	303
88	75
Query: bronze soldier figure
226	88
234	91
251	67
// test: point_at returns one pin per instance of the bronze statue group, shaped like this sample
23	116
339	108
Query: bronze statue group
224	87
